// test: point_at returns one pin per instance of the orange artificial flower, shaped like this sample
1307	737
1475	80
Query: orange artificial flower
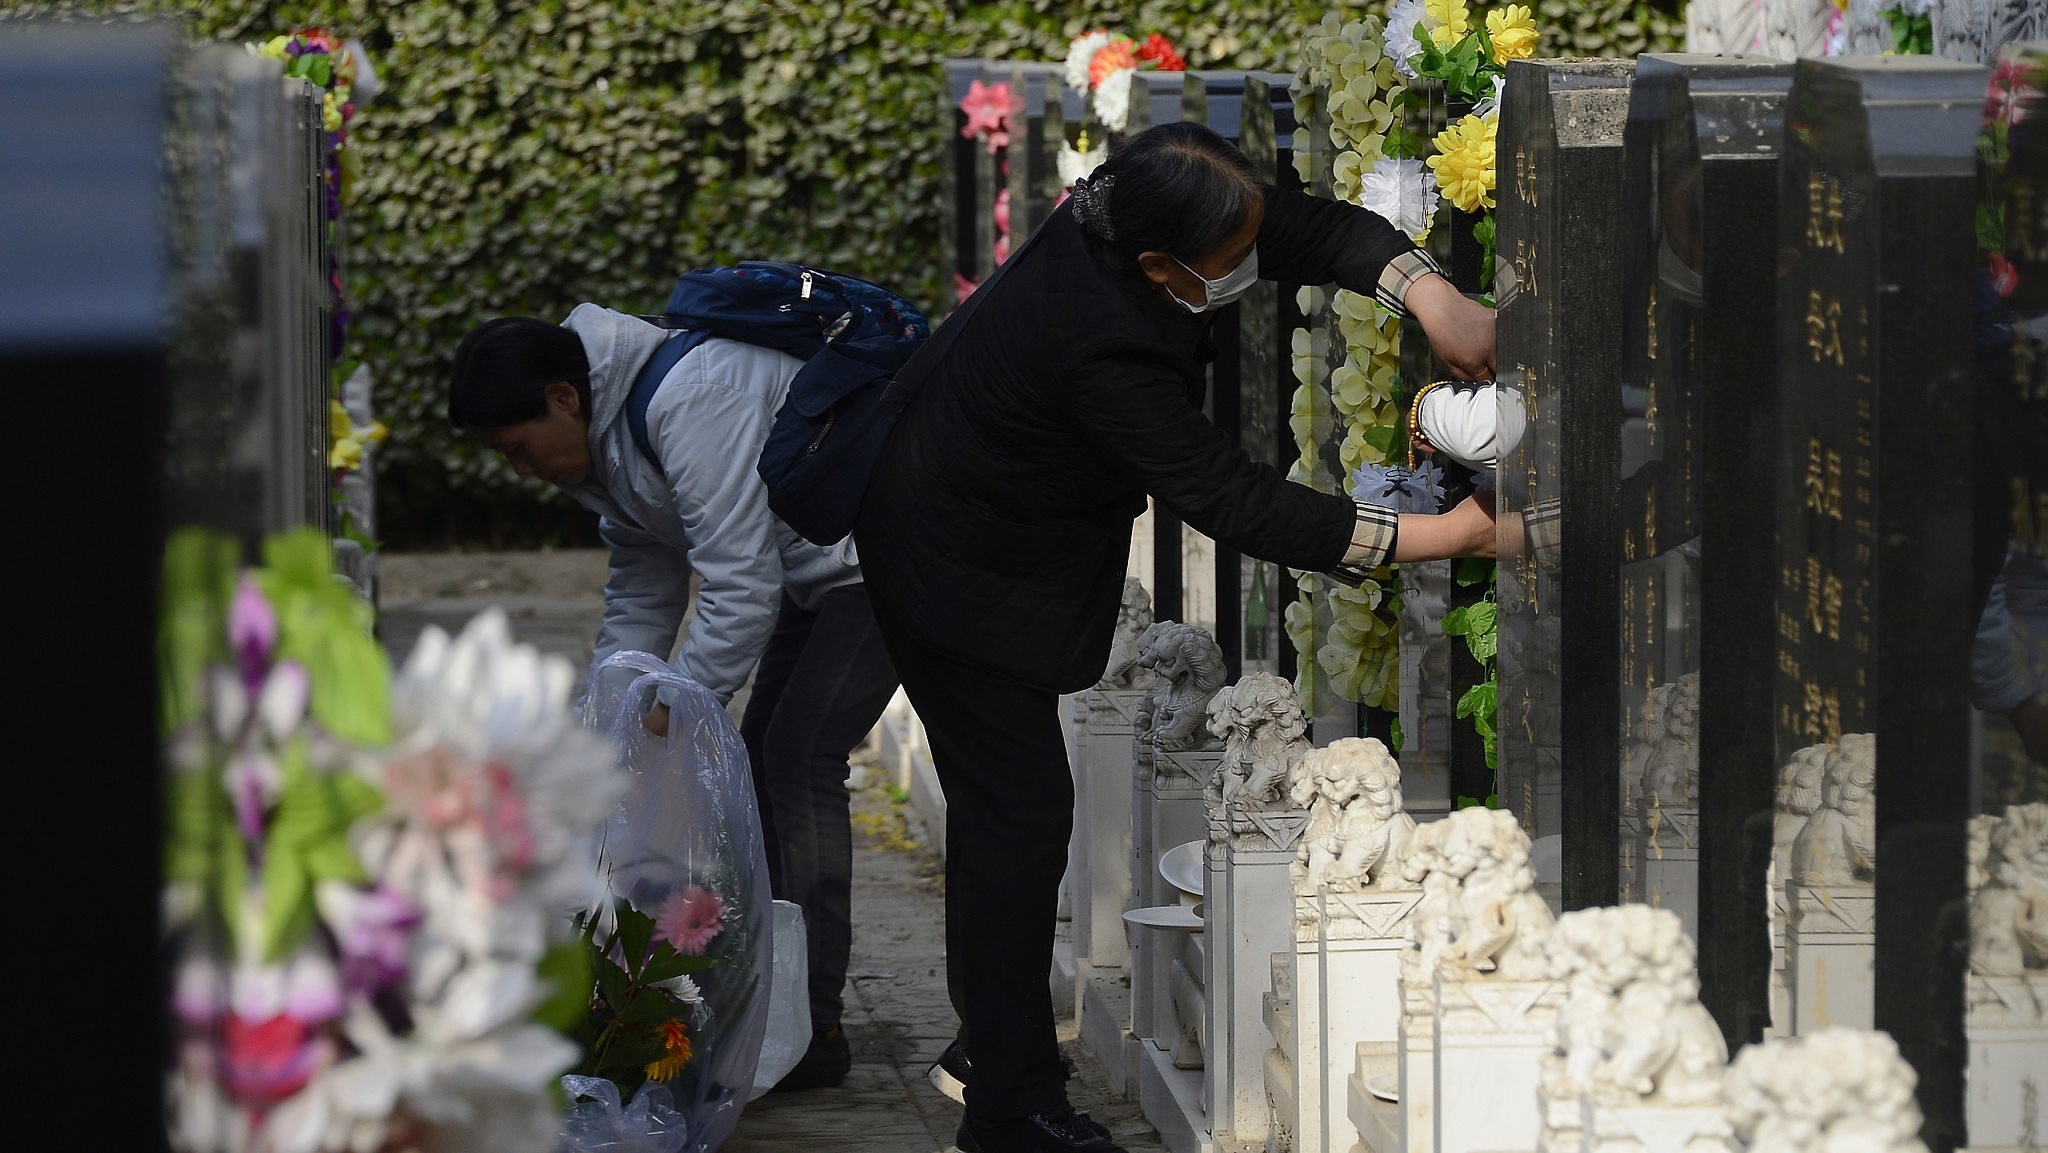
677	1042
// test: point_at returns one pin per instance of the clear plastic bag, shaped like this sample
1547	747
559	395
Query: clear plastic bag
789	1005
685	847
649	1124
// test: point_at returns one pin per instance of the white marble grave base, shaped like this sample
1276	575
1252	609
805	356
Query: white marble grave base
1361	937
1377	1121
1653	1129
1671	863
1282	1097
1245	904
1175	813
1560	1118
1172	1100
1491	1036
1780	988
2006	1101
1103	806
1415	1054
1830	951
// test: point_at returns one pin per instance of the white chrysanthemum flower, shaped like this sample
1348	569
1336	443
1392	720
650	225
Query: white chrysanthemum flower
1074	164
1402	191
682	989
1080	55
1113	99
1402	45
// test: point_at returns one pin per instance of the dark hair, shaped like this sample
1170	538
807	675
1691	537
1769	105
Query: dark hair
503	369
1175	188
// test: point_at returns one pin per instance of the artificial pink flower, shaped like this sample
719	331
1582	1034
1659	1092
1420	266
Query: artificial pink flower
690	919
262	1063
988	108
2004	277
371	927
963	287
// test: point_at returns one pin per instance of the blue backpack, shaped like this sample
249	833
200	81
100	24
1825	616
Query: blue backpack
853	337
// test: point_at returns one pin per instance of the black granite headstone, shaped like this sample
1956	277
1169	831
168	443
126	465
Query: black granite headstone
1557	283
1697	606
960	208
1156	99
1268	316
1033	177
1876	442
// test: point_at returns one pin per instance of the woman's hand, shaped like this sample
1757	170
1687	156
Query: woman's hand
656	720
1466	530
1460	330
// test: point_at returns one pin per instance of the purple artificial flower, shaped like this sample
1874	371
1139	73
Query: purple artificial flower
252	633
371	927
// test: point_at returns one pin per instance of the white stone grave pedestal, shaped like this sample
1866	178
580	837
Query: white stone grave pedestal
1246	903
1415	1056
1169	810
1830	952
1670	862
1362	935
1491	1036
1103	808
1656	1129
2006	1100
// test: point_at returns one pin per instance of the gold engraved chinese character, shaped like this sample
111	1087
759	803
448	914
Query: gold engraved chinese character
1788	627
1824	328
1788	664
1834	492
1862	466
1525	177
1813	617
1816	487
1525	265
1650	320
1831	603
1831	717
1823	213
1650	528
1810	712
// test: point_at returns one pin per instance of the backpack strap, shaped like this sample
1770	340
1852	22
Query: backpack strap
645	385
933	350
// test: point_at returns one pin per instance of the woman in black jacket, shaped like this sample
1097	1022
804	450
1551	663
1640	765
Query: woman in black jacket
996	526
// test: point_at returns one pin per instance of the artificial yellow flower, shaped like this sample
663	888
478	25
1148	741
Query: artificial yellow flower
346	454
1513	30
1448	20
338	423
1464	162
274	48
375	432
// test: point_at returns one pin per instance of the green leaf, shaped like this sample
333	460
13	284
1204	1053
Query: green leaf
667	963
1395	738
614	985
652	1006
636	929
567	969
1473	570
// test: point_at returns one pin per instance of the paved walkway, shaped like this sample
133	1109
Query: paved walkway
898	1016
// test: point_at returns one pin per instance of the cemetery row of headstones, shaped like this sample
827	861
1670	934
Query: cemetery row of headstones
164	326
1777	507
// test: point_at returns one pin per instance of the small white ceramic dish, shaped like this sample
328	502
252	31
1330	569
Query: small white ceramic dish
1183	868
1182	917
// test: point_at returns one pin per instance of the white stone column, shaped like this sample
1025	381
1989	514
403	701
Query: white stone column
1491	1036
1106	814
1246	906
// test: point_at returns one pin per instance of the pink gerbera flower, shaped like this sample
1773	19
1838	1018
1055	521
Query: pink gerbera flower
690	919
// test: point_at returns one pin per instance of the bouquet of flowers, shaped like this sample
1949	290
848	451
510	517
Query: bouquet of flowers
1102	63
371	888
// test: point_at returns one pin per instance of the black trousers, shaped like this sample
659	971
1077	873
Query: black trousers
1002	760
823	682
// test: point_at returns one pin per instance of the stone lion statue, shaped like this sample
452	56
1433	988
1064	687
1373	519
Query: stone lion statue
1187	664
1358	830
1838	1089
1264	734
2009	915
1480	912
1671	773
1838	844
1632	1030
1133	618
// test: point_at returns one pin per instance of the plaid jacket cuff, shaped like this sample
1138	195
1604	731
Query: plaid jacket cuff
1372	543
1540	526
1400	275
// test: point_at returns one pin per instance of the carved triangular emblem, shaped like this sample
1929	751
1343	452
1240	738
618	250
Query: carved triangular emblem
1283	829
1378	916
1505	1004
1666	1130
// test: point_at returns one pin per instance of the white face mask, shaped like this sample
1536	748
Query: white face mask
1217	293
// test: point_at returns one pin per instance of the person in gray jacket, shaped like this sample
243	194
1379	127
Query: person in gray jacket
552	399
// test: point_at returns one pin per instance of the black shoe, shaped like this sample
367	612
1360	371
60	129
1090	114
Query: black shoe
824	1064
1057	1130
949	1073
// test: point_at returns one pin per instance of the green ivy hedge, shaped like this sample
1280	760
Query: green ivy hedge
526	156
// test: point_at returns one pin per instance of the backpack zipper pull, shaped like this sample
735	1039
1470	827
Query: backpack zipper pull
805	293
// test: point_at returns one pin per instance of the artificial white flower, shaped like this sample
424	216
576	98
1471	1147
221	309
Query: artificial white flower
1490	103
1401	42
682	989
1113	99
1403	192
1074	164
1080	55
